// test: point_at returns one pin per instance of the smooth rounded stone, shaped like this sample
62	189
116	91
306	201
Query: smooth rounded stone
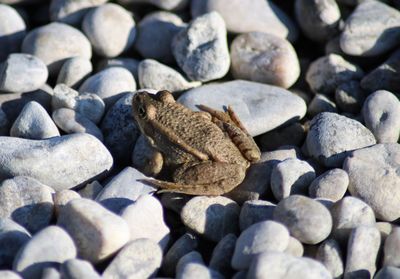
211	217
123	189
201	49
372	29
259	15
27	201
196	270
146	220
90	190
12	31
293	134
110	29
385	228
326	73
162	4
89	105
349	213
22	73
381	112
222	254
55	42
97	232
71	122
391	249
307	220
374	178
331	185
12	237
70	160
34	123
8	274
74	71
110	84
264	58
320	103
76	269
258	238
349	96
255	211
155	33
291	177
362	251
51	272
272	264
140	258
332	137
157	76
330	255
61	198
388	272
130	64
260	107
49	246
294	248
189	258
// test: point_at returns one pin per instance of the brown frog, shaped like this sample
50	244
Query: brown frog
208	152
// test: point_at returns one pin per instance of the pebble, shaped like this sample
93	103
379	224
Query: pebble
294	248
211	217
320	103
293	134
260	107
196	270
326	73
349	96
22	73
27	201
8	274
74	71
61	156
51	272
381	112
87	104
385	228
155	33
332	136
12	30
374	178
90	190
4	123
388	272
330	255
362	252
222	254
370	30
34	123
201	49
157	76
391	249
116	22
331	185
258	238
76	269
146	220
97	232
61	198
254	211
129	64
140	258
49	246
291	177
110	84
168	5
259	15
307	220
55	42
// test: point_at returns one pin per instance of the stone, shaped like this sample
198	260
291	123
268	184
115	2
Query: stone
391	249
189	258
388	272
74	71
330	255
294	248
258	238
27	201
4	123
51	272
140	258
260	107
55	42
385	228
201	49
211	217
332	137
293	134
61	198
255	211
8	274
222	254
381	112
162	4
116	22
69	160
331	185
320	103
49	246
34	123
76	269
130	64
349	96
97	232
22	73
195	270
307	220
371	29
90	190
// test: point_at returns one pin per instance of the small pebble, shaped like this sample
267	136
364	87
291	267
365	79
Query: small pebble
293	134
320	103
391	249
294	248
76	269
349	96
331	185
195	270
388	272
222	254
254	211
385	228
193	257
74	71
61	198
330	255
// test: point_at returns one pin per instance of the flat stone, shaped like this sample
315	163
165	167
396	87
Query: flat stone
162	4
260	107
331	185
330	255
76	268
391	249
320	103
70	160
349	96
222	254
74	71
255	211
388	272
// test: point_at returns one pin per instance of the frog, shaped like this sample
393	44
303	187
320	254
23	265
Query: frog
206	152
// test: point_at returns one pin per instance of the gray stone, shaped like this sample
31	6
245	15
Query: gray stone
201	49
8	274
320	103
385	228
330	255
162	4
196	270
222	254
4	123
49	246
51	272
391	254
332	136
90	190
189	258
61	198
22	73
77	269
97	232
349	96
34	123
74	71
128	63
60	162
388	272
331	185
260	107
381	112
55	42
255	211
294	248
293	134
